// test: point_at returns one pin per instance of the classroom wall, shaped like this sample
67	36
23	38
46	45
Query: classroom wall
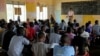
82	19
31	7
3	9
54	7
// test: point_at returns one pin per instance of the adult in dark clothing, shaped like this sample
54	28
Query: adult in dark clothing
7	36
80	42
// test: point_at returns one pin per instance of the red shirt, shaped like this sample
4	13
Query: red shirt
30	33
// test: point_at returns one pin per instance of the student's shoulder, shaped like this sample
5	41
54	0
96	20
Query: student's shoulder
69	47
24	38
34	44
56	46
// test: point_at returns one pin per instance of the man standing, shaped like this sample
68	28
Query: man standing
17	43
70	14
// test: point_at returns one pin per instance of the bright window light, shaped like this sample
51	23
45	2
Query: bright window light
38	12
45	13
11	12
42	15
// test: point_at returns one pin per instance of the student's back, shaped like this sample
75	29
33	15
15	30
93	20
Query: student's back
63	51
7	38
64	48
54	38
81	43
40	49
16	45
96	29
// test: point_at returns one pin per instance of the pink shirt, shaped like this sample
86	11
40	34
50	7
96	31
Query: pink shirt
71	35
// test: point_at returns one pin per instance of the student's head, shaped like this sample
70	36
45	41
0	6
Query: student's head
69	30
3	25
62	21
96	22
43	28
36	23
80	30
41	37
74	20
20	31
56	30
65	40
10	26
83	27
25	25
70	24
27	19
10	20
77	25
35	20
89	22
31	24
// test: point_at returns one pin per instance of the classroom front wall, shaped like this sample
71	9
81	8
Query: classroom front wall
82	19
54	7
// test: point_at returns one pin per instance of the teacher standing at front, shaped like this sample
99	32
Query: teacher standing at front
71	15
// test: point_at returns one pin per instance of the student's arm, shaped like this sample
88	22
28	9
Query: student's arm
26	41
47	47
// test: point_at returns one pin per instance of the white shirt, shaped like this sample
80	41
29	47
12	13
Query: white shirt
85	35
70	13
53	45
63	51
54	38
16	45
63	26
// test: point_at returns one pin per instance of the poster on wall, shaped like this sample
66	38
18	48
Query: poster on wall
2	5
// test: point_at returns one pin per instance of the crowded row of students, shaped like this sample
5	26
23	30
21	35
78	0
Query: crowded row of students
40	38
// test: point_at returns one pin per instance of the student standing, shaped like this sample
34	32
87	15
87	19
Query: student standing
40	48
7	36
17	43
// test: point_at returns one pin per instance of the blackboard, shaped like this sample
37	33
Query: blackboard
81	8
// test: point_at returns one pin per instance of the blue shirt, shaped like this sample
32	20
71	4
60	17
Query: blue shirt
16	45
63	51
96	29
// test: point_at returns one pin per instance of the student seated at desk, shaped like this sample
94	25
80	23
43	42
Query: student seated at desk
64	48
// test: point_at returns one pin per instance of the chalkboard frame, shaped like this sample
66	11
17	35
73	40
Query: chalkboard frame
81	8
